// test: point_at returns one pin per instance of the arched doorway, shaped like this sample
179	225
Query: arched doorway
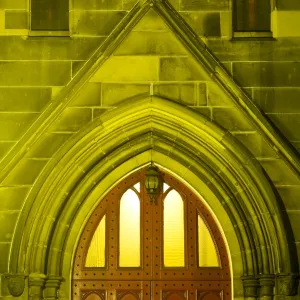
132	248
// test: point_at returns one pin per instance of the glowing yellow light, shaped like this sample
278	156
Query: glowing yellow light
96	253
129	230
173	230
207	253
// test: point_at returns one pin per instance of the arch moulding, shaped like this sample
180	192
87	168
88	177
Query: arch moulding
182	142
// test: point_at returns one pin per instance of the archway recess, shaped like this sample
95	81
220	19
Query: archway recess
203	156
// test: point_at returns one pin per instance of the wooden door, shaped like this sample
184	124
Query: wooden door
172	258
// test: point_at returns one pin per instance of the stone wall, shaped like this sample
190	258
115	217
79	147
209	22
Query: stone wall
150	61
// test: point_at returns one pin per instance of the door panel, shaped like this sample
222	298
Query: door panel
152	280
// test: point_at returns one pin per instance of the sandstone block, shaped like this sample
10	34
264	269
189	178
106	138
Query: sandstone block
96	4
128	68
204	5
13	125
16	19
203	23
8	221
231	118
72	119
93	22
12	198
151	43
267	74
90	95
24	99
5	147
35	73
48	145
25	173
181	69
113	93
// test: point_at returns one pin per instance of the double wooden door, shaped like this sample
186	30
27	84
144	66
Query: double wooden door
169	261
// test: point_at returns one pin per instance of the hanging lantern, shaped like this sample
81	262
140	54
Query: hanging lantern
153	182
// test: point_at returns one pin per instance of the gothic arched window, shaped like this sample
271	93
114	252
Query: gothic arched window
251	15
49	15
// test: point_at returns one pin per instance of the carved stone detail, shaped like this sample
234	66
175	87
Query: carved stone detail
51	287
36	286
15	284
287	284
251	285
267	284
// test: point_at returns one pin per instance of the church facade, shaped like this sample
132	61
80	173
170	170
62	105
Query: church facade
205	92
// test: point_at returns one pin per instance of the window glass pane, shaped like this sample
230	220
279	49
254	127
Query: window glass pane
252	15
129	230
96	253
207	253
165	187
173	230
137	187
50	15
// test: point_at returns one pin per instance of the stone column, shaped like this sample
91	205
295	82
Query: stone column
36	286
267	284
251	285
51	287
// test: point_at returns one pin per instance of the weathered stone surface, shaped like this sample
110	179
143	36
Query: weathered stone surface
254	142
49	144
35	73
128	4
286	49
288	124
128	68
5	147
112	93
290	196
96	4
16	4
278	100
72	119
90	95
12	198
16	19
294	216
267	74
25	173
283	177
181	69
183	93
24	99
96	22
13	125
77	66
98	112
4	250
204	5
205	111
216	96
8	221
203	23
287	5
151	43
18	48
151	21
231	119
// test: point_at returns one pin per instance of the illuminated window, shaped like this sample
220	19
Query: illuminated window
96	253
251	15
129	230
50	15
207	253
173	230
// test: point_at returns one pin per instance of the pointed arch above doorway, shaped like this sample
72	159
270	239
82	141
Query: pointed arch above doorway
184	143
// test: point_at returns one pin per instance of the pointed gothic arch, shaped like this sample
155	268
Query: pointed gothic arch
203	156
